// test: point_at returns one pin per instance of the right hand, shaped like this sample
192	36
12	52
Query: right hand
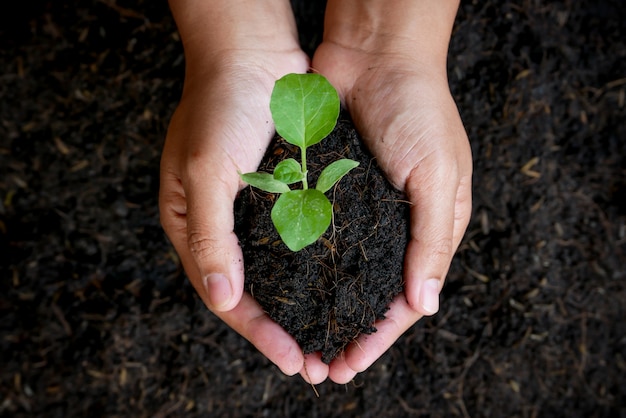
223	125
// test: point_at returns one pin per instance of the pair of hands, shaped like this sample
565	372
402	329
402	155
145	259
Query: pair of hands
404	112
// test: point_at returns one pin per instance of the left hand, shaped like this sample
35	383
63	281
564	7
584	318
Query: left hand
404	111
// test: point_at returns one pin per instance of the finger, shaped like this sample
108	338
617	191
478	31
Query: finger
339	371
267	336
432	189
314	370
199	224
368	348
248	319
210	239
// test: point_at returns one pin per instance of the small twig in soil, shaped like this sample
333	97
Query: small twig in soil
363	251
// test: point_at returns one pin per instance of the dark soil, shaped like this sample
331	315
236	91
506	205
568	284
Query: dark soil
98	319
332	291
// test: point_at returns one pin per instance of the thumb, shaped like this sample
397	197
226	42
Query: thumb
213	246
432	243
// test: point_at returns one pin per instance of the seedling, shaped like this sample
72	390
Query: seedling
305	108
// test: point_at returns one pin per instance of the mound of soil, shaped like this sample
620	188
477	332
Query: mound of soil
332	291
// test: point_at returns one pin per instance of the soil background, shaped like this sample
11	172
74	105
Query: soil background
97	318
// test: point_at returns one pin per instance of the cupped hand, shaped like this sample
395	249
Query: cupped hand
405	114
223	126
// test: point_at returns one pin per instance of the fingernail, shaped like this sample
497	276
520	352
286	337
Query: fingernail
430	296
218	290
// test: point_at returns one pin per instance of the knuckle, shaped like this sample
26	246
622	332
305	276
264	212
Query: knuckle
440	250
172	213
201	246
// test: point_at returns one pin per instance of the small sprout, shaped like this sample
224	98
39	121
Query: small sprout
305	108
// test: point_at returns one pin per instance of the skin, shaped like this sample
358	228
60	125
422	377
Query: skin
387	59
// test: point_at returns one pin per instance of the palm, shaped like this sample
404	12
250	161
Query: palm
404	117
226	119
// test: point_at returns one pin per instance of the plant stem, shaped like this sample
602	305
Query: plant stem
305	182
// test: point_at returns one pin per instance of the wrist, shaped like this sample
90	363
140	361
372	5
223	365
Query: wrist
417	30
220	29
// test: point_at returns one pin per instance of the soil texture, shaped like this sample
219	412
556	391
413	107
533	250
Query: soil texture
332	291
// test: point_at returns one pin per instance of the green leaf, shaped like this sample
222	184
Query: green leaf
288	171
305	108
333	173
265	181
301	217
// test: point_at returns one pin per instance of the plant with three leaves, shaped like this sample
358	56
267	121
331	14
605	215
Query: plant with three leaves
305	108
